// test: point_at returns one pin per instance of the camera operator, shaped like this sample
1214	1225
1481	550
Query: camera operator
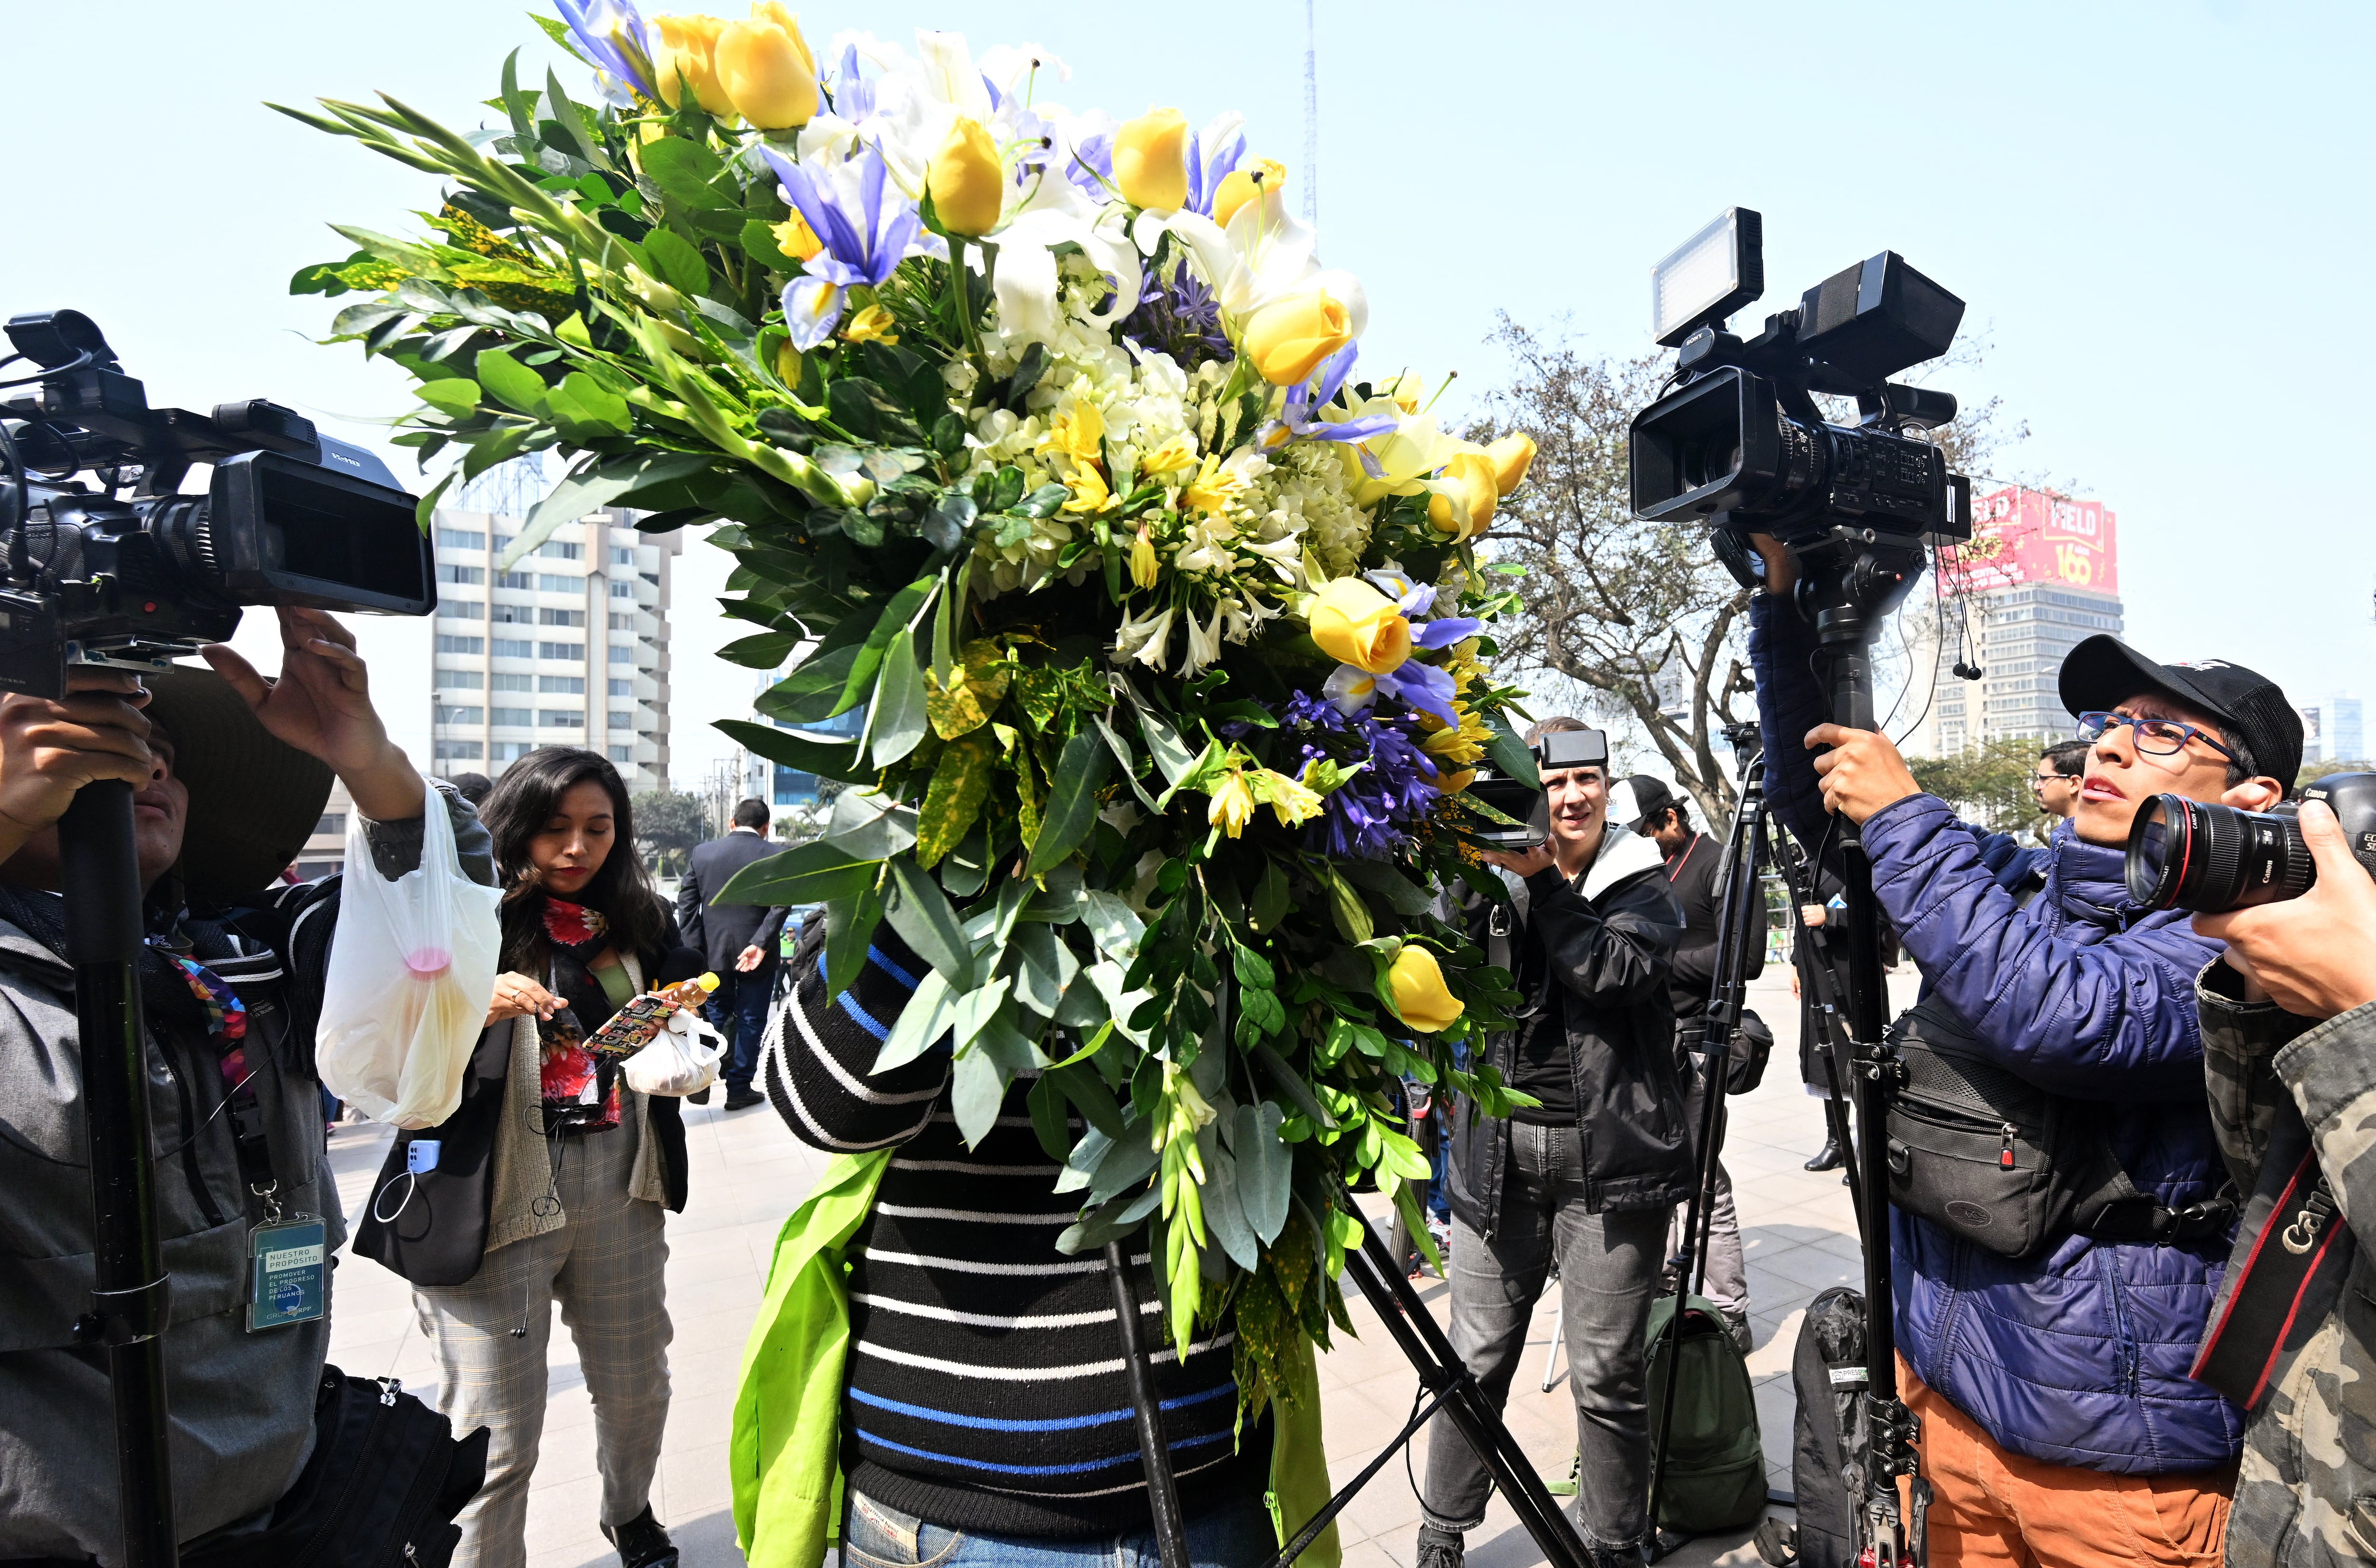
2289	1048
1695	866
1589	1176
2052	1386
230	778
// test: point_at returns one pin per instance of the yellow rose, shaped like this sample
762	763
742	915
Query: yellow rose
688	57
795	238
1243	186
1421	997
1512	455
767	70
1288	339
1356	625
1465	496
1233	805
1150	160
965	181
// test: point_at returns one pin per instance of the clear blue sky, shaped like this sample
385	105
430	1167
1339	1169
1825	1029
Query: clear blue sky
2148	207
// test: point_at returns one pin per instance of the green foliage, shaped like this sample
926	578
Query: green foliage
1988	784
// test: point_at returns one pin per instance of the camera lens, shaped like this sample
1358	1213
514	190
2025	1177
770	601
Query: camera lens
2195	855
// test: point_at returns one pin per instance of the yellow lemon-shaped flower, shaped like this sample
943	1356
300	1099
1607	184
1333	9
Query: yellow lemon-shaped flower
688	58
965	181
1288	339
1233	805
1243	186
1356	625
1150	160
765	69
1420	996
1512	456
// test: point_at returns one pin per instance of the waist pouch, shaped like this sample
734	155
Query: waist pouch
2006	1165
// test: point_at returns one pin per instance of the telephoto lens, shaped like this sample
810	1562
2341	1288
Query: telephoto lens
2188	855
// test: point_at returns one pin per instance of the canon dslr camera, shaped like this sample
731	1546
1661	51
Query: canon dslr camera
2208	858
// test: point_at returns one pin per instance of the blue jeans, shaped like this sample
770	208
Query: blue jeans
738	1009
873	1535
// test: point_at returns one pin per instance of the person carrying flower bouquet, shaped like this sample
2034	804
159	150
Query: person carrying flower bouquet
1588	1176
546	1185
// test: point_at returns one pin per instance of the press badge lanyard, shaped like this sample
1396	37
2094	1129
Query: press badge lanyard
288	1255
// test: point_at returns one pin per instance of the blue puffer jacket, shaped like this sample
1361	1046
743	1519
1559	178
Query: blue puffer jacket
2078	1357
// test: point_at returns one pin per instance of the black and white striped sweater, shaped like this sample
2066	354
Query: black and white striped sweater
986	1387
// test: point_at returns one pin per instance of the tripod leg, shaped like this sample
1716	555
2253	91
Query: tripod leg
103	910
1550	1358
1155	1454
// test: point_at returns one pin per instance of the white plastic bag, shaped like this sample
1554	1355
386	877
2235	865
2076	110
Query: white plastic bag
682	1059
412	967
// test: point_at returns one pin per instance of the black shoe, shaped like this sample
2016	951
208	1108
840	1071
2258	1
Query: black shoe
744	1100
642	1542
1829	1158
1437	1548
700	1096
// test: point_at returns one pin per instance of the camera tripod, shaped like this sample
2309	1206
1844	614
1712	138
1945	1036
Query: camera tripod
1445	1384
129	1308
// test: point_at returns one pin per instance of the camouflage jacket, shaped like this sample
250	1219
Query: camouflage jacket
2306	1490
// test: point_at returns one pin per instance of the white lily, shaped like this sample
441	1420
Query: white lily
1401	459
1053	213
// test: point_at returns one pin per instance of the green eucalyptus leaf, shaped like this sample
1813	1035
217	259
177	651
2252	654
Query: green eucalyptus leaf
1224	1216
834	758
457	396
921	1023
1089	1091
898	718
763	650
977	1088
1043	501
966	869
1290	1083
1072	801
868	825
919	912
815	873
850	923
1513	758
1049	1122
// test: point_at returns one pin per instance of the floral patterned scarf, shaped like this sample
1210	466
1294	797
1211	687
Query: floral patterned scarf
581	1094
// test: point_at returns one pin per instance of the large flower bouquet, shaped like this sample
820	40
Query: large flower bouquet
1039	438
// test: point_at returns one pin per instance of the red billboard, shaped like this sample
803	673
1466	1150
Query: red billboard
2027	536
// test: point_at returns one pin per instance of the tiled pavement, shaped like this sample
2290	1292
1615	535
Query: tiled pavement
748	1173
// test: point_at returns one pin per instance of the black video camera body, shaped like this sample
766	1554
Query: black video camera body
1530	805
2204	857
89	575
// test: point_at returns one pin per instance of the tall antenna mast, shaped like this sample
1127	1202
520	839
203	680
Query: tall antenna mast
1310	117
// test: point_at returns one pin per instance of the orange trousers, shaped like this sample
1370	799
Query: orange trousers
1991	1509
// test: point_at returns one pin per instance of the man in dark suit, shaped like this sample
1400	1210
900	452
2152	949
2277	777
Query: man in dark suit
738	940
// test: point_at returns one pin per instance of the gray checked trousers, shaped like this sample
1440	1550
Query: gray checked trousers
1608	1266
605	1269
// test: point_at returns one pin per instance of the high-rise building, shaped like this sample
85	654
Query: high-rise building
783	787
569	648
2331	730
2039	575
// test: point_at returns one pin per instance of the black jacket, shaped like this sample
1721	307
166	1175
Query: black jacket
1609	939
721	931
1694	876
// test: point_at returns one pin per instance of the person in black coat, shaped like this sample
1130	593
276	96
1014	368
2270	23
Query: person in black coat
739	941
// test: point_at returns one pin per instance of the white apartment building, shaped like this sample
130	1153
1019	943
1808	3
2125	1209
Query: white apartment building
570	648
2330	730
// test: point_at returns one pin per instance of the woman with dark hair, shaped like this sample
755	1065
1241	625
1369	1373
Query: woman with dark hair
546	1184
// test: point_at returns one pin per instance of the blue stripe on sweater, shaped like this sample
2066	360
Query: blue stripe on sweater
888	968
1130	1458
1065	1424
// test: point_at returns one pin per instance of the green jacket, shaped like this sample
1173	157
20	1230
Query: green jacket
787	1410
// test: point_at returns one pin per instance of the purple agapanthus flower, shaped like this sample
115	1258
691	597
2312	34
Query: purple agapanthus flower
866	226
1181	317
1301	420
1394	782
611	34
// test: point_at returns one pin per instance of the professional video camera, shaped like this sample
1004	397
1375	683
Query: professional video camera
1529	805
2208	858
91	575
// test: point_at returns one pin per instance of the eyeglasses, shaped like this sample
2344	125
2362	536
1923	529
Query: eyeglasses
2041	780
2156	737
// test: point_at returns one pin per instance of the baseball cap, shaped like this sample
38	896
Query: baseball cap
253	799
2104	671
1645	796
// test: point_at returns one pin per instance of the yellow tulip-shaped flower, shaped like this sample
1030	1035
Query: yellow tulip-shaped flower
1512	455
765	68
1288	339
1142	559
965	179
1465	496
1420	995
1243	186
1150	160
1233	805
688	58
1356	625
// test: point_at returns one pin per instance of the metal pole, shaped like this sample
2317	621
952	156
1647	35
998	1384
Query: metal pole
1147	1406
102	872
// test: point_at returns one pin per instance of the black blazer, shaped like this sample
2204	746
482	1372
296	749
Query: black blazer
721	931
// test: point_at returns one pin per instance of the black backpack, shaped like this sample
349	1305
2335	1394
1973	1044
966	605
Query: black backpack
1831	1339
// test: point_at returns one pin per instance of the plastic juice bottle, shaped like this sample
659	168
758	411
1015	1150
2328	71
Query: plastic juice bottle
634	1026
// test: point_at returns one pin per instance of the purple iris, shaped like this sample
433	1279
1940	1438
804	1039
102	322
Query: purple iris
1301	420
1206	174
1423	686
866	232
1091	169
597	28
853	95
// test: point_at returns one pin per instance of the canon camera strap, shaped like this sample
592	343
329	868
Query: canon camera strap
2286	1280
